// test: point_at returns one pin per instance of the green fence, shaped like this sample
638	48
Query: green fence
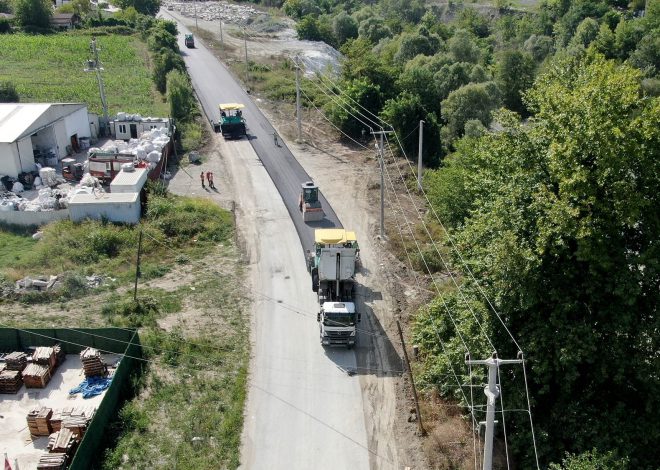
125	342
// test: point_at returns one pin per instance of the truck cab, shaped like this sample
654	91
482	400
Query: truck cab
189	40
337	324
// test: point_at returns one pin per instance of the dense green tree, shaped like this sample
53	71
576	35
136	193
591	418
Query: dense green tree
345	116
579	10
591	460
419	81
146	7
452	77
539	46
473	21
344	27
33	13
558	219
160	38
374	29
180	96
404	113
5	6
5	26
605	42
301	8
165	60
647	55
585	33
360	62
413	44
627	36
514	74
8	93
471	101
464	48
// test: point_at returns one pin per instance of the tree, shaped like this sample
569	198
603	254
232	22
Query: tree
585	33
160	38
343	113
605	42
179	95
404	113
374	29
33	13
560	225
146	7
471	101
5	26
647	55
82	7
464	48
514	74
627	36
591	460
165	60
413	44
8	93
344	27
419	81
452	77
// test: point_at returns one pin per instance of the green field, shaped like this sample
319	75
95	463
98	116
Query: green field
51	69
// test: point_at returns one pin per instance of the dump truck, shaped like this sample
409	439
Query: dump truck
332	265
189	41
232	124
309	204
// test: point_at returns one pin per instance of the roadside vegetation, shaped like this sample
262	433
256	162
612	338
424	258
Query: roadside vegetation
540	140
187	410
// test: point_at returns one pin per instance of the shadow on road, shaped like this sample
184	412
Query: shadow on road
375	353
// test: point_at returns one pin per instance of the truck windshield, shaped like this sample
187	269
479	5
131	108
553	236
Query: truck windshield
339	319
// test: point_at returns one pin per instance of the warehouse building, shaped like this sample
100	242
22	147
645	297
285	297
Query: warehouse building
43	133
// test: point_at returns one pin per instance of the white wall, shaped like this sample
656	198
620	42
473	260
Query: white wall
8	160
77	123
126	212
26	155
27	218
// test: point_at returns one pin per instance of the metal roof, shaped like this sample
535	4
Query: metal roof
21	119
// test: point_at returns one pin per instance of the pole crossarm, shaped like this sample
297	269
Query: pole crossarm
492	391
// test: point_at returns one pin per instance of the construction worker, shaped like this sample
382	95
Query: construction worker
277	144
209	177
202	178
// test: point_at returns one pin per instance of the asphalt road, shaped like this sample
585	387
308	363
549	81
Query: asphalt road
304	409
214	84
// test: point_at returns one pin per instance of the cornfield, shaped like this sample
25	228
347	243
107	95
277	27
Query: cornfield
51	69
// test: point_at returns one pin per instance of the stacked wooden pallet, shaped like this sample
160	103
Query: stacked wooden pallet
16	361
45	356
76	419
36	376
38	420
92	362
52	462
10	381
63	442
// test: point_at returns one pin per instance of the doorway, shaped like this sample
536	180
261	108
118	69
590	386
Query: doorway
133	131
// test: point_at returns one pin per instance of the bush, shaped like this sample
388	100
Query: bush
8	93
180	95
5	26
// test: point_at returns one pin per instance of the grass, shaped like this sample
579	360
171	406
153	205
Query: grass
193	321
49	68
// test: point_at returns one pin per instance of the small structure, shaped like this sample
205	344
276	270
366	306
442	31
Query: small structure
129	181
65	21
115	207
41	133
132	126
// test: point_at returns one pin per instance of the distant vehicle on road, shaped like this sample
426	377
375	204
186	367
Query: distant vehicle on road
189	41
232	124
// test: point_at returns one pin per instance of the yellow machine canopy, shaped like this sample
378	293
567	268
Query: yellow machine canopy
231	106
334	236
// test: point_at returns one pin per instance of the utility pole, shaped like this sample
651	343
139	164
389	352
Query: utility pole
420	426
492	391
137	268
381	148
221	40
195	6
419	154
247	68
94	65
298	118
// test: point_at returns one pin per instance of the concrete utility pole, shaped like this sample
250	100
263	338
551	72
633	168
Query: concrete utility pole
221	40
195	6
298	117
419	154
492	391
94	65
381	149
247	68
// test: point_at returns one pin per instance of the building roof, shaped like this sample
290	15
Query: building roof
103	198
129	178
18	120
64	17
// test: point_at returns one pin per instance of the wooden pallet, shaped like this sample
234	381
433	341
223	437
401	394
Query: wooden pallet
10	381
45	356
16	361
93	364
36	376
52	462
63	441
38	420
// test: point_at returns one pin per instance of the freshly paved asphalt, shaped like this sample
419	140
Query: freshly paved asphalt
214	84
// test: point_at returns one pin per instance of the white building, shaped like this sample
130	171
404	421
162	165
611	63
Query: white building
40	133
131	126
115	207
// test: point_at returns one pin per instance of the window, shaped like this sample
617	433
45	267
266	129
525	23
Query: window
122	128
